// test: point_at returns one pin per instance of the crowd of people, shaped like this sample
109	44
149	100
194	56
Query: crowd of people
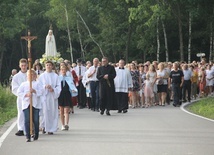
102	86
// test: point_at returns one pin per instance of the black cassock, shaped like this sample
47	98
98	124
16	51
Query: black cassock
107	88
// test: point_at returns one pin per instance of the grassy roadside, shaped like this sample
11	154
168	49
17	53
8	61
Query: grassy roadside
204	107
8	108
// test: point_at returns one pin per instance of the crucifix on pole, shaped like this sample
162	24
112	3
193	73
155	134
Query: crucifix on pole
30	38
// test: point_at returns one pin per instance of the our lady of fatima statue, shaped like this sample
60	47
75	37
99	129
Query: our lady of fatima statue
50	44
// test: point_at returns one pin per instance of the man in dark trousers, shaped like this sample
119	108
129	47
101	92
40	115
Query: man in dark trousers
176	78
123	83
94	85
80	71
187	83
106	74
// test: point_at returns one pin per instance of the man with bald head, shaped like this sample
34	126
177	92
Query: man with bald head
187	83
94	85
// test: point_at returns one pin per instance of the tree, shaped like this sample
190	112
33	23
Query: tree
12	21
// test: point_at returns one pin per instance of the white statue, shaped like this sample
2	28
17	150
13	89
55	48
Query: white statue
50	44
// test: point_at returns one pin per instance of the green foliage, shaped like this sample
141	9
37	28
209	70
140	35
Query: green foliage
204	107
7	105
122	28
12	17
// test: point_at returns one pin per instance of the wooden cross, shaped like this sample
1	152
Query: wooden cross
30	38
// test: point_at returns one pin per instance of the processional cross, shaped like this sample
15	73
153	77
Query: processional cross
30	38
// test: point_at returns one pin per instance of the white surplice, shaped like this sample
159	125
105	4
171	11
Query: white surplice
16	82
123	80
25	89
50	105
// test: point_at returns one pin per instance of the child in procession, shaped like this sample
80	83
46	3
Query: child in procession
67	89
52	87
25	93
148	91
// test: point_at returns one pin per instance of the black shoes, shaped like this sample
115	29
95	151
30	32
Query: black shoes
19	133
108	113
43	131
101	112
36	136
176	105
125	111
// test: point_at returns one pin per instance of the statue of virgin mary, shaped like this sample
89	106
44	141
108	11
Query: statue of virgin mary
50	44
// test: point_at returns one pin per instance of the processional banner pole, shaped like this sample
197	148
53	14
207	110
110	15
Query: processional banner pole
29	38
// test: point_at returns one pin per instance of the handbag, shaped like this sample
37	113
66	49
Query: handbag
160	82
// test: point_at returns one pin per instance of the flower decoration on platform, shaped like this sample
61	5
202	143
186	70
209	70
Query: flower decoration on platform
55	59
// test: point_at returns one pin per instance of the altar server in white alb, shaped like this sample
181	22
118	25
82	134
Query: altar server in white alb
25	93
52	87
123	82
20	77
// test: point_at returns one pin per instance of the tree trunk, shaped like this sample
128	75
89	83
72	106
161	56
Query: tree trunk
101	51
180	34
158	41
144	55
69	35
190	37
2	49
80	40
166	41
128	43
211	41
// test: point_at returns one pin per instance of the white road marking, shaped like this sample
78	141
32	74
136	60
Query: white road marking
186	104
3	137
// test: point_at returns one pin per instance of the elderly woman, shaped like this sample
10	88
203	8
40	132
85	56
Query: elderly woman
162	77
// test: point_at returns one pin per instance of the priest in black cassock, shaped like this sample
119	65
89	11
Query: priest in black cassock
106	74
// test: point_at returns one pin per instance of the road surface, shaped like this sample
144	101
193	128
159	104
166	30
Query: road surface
153	131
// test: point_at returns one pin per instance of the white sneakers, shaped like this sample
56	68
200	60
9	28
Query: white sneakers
65	127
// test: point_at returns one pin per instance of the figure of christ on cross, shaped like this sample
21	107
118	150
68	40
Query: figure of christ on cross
30	38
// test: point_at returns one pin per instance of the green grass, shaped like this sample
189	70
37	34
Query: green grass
8	108
204	107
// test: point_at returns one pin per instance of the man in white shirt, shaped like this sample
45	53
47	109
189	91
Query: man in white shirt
80	71
17	80
94	85
187	83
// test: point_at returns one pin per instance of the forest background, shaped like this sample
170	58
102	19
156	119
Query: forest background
162	30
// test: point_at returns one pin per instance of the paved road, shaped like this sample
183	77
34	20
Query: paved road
154	131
